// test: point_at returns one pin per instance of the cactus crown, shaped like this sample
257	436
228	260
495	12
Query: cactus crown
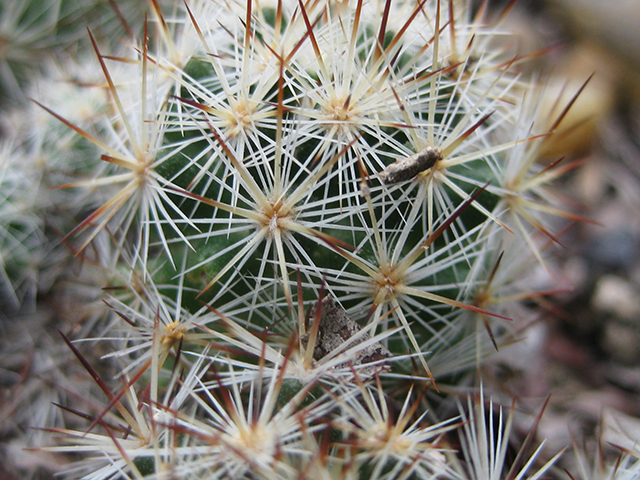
303	218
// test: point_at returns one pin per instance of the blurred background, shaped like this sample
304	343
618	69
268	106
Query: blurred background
585	351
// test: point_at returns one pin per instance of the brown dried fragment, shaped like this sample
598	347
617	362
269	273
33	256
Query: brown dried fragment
408	168
335	328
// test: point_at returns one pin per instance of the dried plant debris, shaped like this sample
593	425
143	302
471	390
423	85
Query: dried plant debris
335	328
407	168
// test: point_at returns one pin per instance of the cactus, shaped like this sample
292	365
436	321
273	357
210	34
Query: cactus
291	229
